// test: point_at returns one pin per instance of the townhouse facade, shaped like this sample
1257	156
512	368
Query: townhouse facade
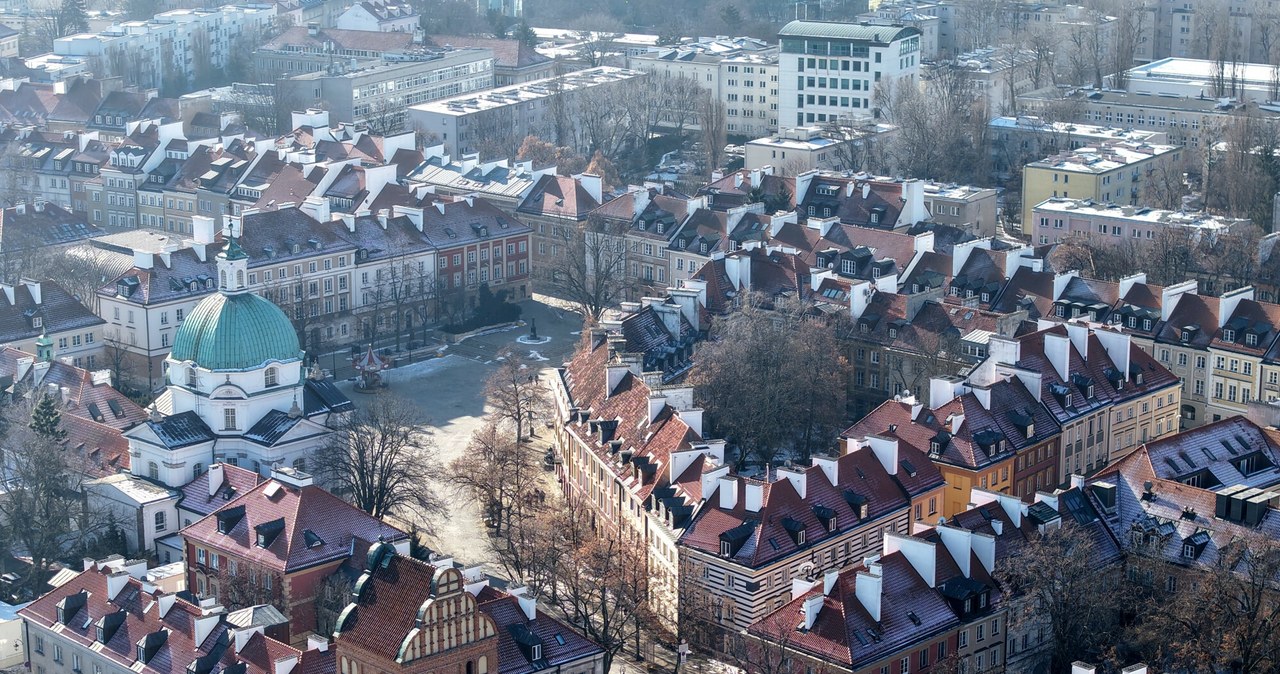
753	539
630	448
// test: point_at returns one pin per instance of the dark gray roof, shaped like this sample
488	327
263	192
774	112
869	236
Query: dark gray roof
838	30
271	427
182	430
321	396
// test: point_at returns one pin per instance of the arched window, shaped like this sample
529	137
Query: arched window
161	521
239	278
197	470
471	667
222	275
271	377
484	664
153	471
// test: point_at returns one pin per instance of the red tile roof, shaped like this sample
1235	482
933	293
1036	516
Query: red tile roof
558	195
298	510
141	616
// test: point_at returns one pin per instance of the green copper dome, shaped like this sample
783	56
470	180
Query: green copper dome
235	332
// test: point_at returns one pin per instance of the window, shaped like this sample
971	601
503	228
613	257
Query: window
964	638
161	523
153	471
271	377
229	419
905	665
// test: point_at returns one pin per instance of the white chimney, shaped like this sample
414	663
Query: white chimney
202	229
829	580
204	627
143	259
1118	346
1171	294
922	554
812	606
657	402
1057	348
530	607
753	496
215	478
868	585
1078	667
1229	301
165	602
886	450
1060	282
943	390
913	209
797	477
115	583
830	467
317	208
285	665
315	642
241	637
593	186
728	492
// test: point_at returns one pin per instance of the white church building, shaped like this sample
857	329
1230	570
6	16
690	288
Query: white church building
237	391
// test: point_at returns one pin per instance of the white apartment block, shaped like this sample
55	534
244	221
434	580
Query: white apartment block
829	71
460	122
740	72
998	76
1057	218
1195	78
175	44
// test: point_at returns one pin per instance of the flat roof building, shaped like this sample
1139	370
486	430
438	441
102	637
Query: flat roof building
1198	78
460	123
1056	219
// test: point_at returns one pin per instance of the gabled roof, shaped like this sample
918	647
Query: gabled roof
561	644
285	512
844	632
557	195
1213	456
234	482
132	618
59	311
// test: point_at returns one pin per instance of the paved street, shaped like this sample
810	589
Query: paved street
450	391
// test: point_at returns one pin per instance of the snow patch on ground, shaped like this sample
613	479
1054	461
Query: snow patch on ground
534	355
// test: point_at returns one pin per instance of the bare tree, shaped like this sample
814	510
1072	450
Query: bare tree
246	586
1220	618
516	394
802	411
383	460
44	511
1058	572
332	596
603	583
594	274
711	119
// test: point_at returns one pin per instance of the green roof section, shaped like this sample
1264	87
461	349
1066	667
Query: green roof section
839	30
235	332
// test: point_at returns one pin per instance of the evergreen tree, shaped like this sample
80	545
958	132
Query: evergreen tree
73	17
525	35
46	420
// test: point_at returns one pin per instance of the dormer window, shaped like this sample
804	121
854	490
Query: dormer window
1146	324
1188	551
191	377
271	377
893	333
1228	335
1133	321
661	227
704	248
986	297
726	549
1137	379
37	321
1186	336
1250	339
536	650
1060	311
1066	400
1088	391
